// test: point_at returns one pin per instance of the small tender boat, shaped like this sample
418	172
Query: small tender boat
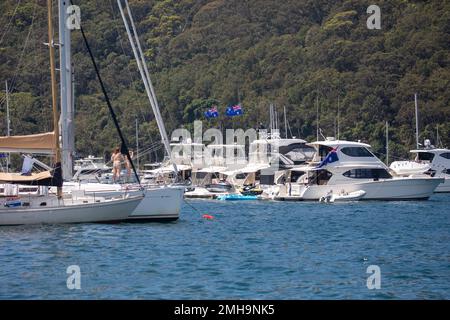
219	187
250	191
343	196
236	197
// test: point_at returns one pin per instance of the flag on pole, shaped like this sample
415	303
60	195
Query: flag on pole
212	113
234	110
330	158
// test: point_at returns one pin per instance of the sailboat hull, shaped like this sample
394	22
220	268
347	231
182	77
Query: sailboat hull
109	211
159	203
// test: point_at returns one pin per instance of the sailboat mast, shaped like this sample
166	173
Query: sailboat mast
387	143
317	118
437	135
338	130
137	143
8	122
66	93
53	83
285	123
417	121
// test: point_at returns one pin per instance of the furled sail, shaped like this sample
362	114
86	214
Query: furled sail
43	143
17	178
45	178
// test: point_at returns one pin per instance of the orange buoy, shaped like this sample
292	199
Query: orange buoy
207	216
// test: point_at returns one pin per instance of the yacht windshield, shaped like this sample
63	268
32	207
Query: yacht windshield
356	152
425	156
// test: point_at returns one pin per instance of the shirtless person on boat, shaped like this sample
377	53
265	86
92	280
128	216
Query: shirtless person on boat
128	164
116	159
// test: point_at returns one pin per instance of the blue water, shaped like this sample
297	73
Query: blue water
250	250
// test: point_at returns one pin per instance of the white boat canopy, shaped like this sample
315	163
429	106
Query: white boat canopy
247	169
169	169
213	169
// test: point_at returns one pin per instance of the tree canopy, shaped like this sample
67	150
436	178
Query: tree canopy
290	53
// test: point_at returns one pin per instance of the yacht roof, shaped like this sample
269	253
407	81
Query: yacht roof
342	143
170	168
279	140
434	150
225	146
250	168
186	144
213	169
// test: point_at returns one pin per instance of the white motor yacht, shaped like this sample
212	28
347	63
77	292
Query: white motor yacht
345	167
430	160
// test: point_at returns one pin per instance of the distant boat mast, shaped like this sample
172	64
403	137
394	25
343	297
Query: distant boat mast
8	123
317	118
417	121
387	143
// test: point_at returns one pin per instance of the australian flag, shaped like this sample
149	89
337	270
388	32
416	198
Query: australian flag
234	110
212	113
330	158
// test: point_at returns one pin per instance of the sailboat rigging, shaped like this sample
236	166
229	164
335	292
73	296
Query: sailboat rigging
124	148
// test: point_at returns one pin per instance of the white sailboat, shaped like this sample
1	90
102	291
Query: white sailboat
51	210
44	207
160	203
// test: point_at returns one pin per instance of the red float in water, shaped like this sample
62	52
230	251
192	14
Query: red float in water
207	216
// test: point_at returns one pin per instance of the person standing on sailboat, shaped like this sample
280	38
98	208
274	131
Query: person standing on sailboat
128	164
116	159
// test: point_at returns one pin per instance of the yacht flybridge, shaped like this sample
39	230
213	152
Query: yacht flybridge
431	161
345	167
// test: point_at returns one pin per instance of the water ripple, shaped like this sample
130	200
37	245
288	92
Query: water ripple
251	250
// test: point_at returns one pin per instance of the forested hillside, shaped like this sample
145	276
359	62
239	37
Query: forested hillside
256	52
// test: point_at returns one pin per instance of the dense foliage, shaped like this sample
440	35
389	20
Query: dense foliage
290	53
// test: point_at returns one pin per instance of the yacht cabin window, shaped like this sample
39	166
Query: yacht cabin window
367	174
356	152
445	155
319	177
425	156
295	175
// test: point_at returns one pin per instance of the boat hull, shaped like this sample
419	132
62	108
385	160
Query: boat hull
443	187
389	189
159	203
109	211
